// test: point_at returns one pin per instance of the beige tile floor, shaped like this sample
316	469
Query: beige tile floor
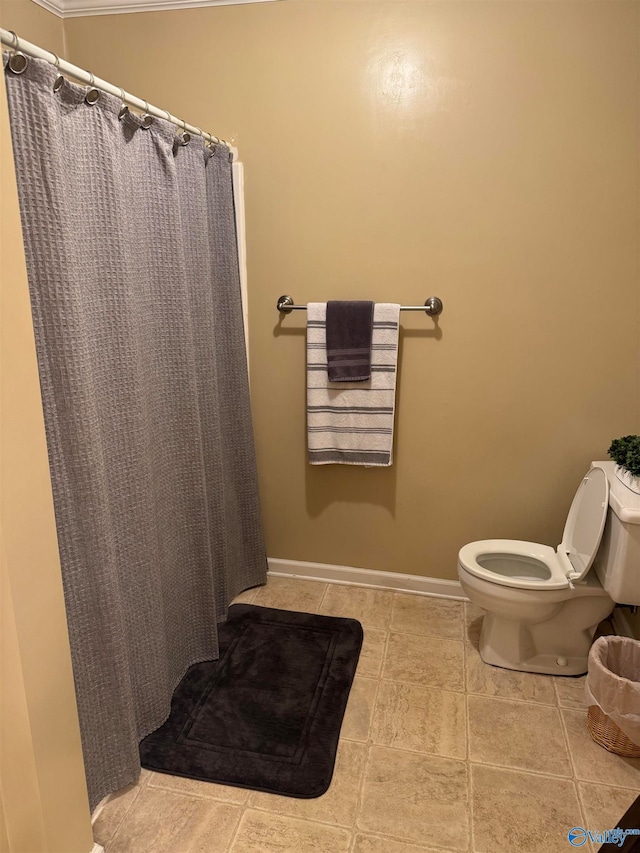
438	752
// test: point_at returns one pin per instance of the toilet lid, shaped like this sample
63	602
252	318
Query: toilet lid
585	522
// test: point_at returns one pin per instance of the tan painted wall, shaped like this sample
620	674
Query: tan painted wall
485	152
43	790
33	23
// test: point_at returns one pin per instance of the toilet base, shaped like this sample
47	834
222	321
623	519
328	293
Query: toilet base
543	664
528	647
530	630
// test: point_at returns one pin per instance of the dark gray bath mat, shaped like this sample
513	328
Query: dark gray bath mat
267	714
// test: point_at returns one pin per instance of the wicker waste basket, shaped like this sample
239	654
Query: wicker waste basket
612	694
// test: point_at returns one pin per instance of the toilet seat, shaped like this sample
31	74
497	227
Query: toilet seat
511	562
529	565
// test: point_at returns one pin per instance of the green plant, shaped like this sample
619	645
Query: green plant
626	452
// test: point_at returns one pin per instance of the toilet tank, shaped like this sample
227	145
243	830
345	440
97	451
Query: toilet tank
617	562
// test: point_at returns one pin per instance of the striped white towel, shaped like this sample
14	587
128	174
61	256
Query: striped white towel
351	423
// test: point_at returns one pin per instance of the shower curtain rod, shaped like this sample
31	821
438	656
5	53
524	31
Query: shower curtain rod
11	40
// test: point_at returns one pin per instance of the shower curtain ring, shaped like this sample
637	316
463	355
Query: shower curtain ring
57	83
92	93
124	109
186	136
17	61
147	120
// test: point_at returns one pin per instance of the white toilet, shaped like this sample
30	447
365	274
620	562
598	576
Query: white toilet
543	606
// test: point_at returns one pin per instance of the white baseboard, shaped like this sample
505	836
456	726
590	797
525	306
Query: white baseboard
329	573
95	814
97	848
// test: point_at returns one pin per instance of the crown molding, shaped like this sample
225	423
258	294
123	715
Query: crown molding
82	8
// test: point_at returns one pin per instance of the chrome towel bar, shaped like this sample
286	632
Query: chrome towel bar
432	306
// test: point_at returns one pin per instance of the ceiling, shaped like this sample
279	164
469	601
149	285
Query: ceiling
80	8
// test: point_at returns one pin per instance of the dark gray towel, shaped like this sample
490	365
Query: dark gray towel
349	330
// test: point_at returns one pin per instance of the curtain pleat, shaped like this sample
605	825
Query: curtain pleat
133	272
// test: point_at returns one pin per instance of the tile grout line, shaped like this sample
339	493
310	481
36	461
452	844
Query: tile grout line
393	607
369	743
384	656
492	698
424	754
373	712
606	785
354	822
234	836
378	676
543	774
205	797
290	816
575	780
400	839
509	698
465	652
539	773
466	692
424	636
318	610
583	810
472	835
565	735
428	686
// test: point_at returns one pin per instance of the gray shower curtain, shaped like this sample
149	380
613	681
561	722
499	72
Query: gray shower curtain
133	271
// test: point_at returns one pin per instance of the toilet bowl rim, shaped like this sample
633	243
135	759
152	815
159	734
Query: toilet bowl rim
497	586
535	595
469	554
